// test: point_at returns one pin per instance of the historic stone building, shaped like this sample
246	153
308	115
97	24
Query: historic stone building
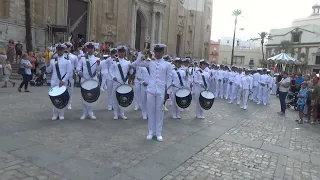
184	25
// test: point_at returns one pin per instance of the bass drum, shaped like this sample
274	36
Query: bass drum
90	91
124	95
206	99
183	98
59	96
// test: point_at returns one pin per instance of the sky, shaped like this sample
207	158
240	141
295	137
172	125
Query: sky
257	16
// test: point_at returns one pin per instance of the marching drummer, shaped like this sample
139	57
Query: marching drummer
74	61
61	70
201	80
178	81
89	64
160	79
119	71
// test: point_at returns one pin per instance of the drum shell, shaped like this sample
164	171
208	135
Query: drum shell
205	103
125	99
90	96
183	102
60	101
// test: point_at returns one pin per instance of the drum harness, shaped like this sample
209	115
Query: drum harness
204	80
124	79
58	70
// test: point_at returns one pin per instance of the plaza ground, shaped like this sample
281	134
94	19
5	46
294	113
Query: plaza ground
229	144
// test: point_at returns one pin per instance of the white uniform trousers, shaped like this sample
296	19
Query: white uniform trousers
245	97
143	100
274	89
234	92
174	108
225	86
117	110
109	94
155	113
229	91
104	80
70	89
255	95
199	110
268	95
263	91
218	87
212	86
137	95
239	94
55	111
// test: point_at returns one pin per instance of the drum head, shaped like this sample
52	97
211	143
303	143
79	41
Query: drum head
59	96
183	98
206	100
124	95
207	94
90	84
56	91
183	93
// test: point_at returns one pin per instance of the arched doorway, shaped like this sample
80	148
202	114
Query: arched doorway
141	29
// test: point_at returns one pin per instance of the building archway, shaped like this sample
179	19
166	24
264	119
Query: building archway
141	30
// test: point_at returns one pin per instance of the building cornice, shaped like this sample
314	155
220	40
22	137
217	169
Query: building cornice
295	45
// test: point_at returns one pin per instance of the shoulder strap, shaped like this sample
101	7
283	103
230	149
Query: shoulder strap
58	70
179	76
124	79
203	79
89	67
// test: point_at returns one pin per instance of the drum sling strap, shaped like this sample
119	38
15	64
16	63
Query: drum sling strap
89	67
58	70
204	80
179	76
121	72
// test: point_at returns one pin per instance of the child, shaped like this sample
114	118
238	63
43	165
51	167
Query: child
302	99
7	70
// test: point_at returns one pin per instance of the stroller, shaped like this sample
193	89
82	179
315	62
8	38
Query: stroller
291	100
39	78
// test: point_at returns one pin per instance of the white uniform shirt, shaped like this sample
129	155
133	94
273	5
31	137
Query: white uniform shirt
65	69
256	78
231	76
246	82
220	75
198	80
264	79
176	80
237	79
104	67
160	74
82	65
114	70
73	60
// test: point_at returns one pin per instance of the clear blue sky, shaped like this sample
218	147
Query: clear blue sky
258	15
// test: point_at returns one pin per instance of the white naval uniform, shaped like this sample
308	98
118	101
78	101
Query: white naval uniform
176	86
160	78
274	86
237	90
199	87
74	62
226	82
140	94
104	73
230	87
245	86
270	85
219	83
65	69
212	86
263	90
109	84
115	73
256	87
87	109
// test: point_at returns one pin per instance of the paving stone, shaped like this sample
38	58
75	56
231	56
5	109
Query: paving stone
9	143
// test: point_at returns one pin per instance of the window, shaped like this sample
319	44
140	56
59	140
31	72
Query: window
296	38
251	62
228	41
317	60
238	59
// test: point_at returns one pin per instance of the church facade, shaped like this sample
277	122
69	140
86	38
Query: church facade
183	25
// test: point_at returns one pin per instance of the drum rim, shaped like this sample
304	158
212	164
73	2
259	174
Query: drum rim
124	85
183	89
208	91
89	80
58	87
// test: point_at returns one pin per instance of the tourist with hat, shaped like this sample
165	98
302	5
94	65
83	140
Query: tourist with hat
201	82
119	71
61	70
88	67
160	79
74	62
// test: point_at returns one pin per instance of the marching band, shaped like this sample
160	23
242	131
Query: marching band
155	79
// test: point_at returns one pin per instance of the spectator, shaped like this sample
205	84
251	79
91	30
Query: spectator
18	48
10	51
25	63
302	100
299	80
284	86
3	58
7	71
41	63
33	62
314	99
48	55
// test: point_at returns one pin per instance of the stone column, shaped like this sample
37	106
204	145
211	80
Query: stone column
133	25
160	27
153	27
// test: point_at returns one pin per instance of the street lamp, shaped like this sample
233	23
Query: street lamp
235	13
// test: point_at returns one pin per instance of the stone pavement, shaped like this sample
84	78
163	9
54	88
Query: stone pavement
229	144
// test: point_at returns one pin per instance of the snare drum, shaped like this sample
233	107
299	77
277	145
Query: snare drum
59	96
90	91
124	95
206	99
183	98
